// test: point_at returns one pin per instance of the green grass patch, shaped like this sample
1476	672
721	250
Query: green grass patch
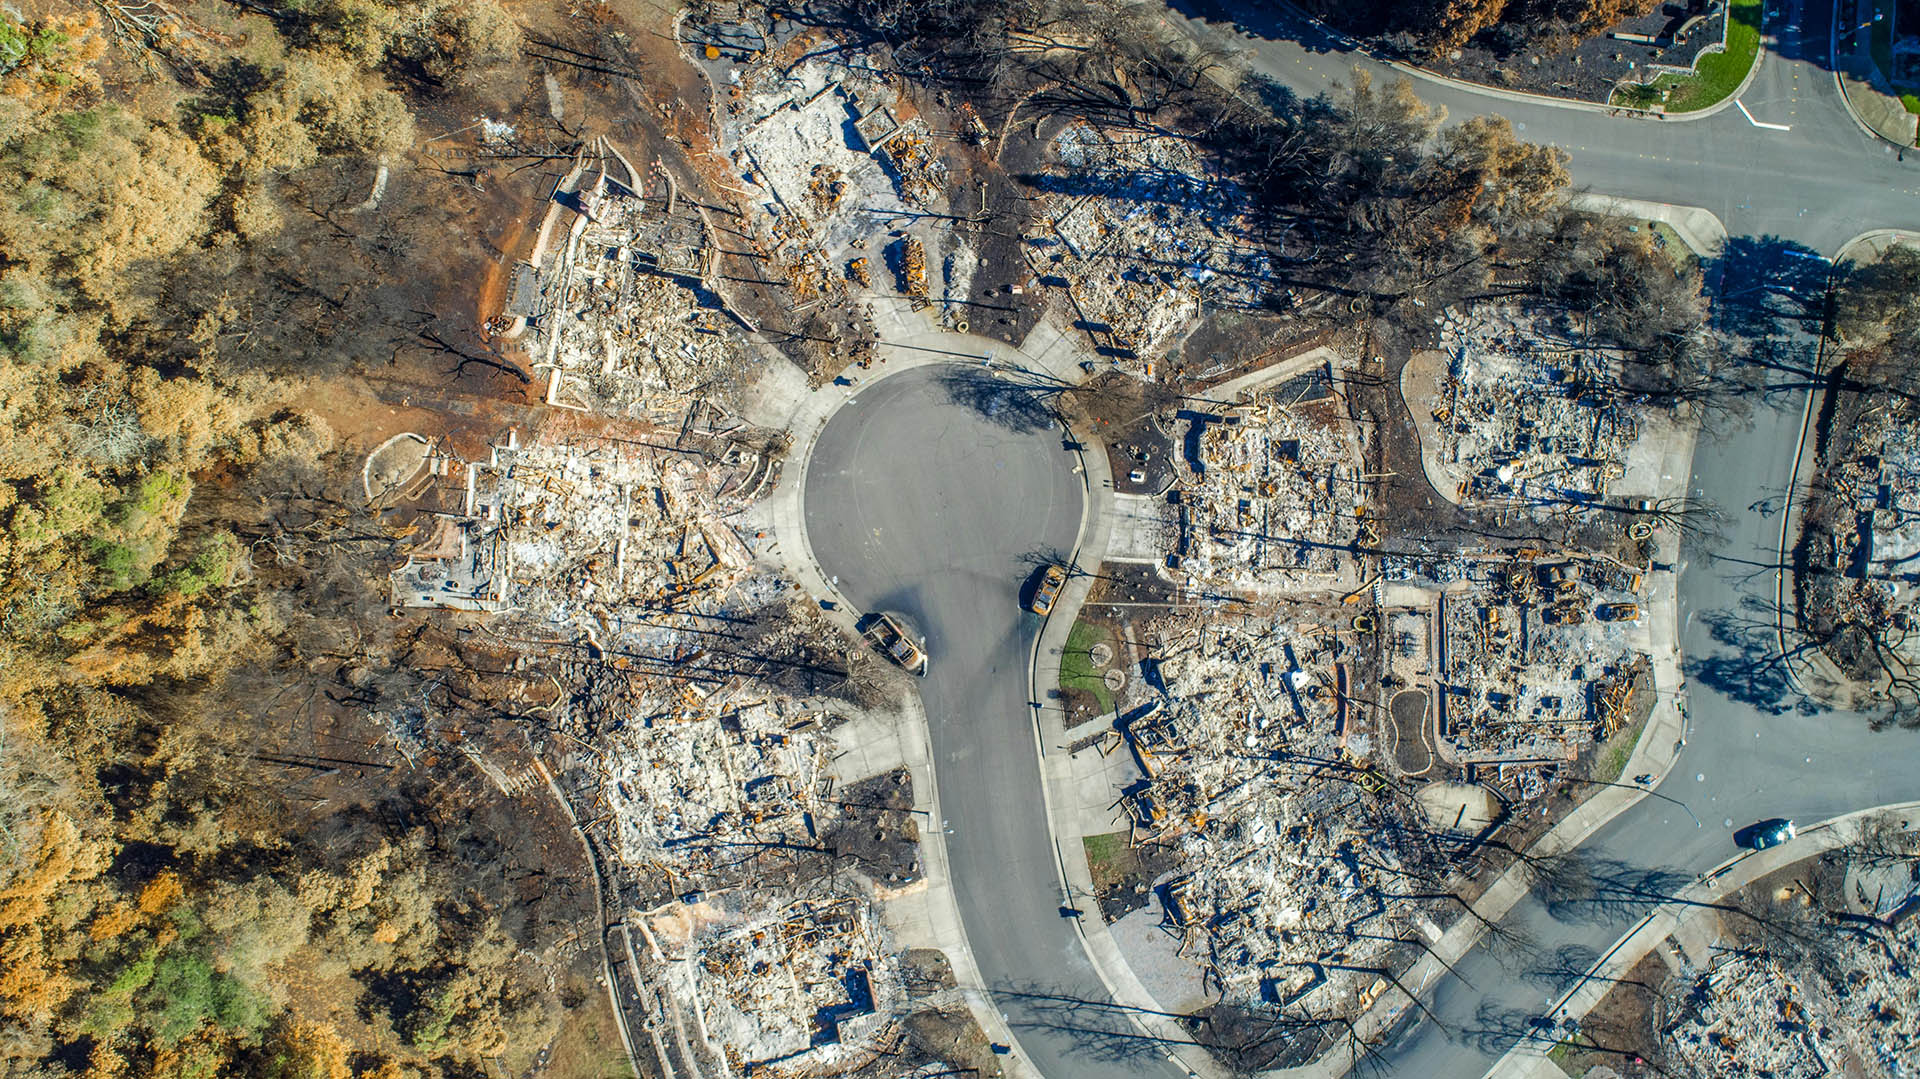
1076	663
1716	76
1674	247
1104	850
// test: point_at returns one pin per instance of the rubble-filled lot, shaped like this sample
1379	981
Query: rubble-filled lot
711	748
786	988
1516	411
1536	659
847	185
1137	233
1274	498
1299	870
1807	972
1858	591
616	321
593	533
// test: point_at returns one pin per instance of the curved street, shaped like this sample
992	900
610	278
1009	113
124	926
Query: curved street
934	494
929	498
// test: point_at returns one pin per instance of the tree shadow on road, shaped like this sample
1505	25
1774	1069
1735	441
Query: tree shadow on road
1765	286
1747	665
1021	409
1578	887
1098	1030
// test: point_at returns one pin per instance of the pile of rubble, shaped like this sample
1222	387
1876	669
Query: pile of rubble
597	533
702	781
1536	658
616	321
1751	1015
784	987
1526	415
1748	1016
1138	231
1299	870
1868	534
1275	498
840	162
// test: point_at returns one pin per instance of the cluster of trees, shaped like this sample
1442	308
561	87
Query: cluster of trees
178	253
1430	27
1877	322
973	33
1365	196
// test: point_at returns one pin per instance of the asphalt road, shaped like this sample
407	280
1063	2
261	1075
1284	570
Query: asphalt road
1818	184
926	506
937	505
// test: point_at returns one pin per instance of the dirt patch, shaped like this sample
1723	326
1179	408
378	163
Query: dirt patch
879	832
926	971
1249	1041
1625	1022
1123	873
588	1045
1411	754
1228	344
1124	415
950	1035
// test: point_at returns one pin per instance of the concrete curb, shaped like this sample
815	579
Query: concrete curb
1730	875
1790	528
1790	518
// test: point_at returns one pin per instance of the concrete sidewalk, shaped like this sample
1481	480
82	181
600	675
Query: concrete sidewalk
1064	785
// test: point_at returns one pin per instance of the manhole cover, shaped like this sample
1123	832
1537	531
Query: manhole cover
1101	654
1115	678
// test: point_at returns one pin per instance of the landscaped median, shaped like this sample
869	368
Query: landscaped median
1716	77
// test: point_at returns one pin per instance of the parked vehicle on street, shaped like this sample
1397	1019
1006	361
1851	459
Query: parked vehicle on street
886	634
1766	833
1048	590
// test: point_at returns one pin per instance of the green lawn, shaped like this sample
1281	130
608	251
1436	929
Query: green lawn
1719	75
1076	664
1715	77
1103	849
